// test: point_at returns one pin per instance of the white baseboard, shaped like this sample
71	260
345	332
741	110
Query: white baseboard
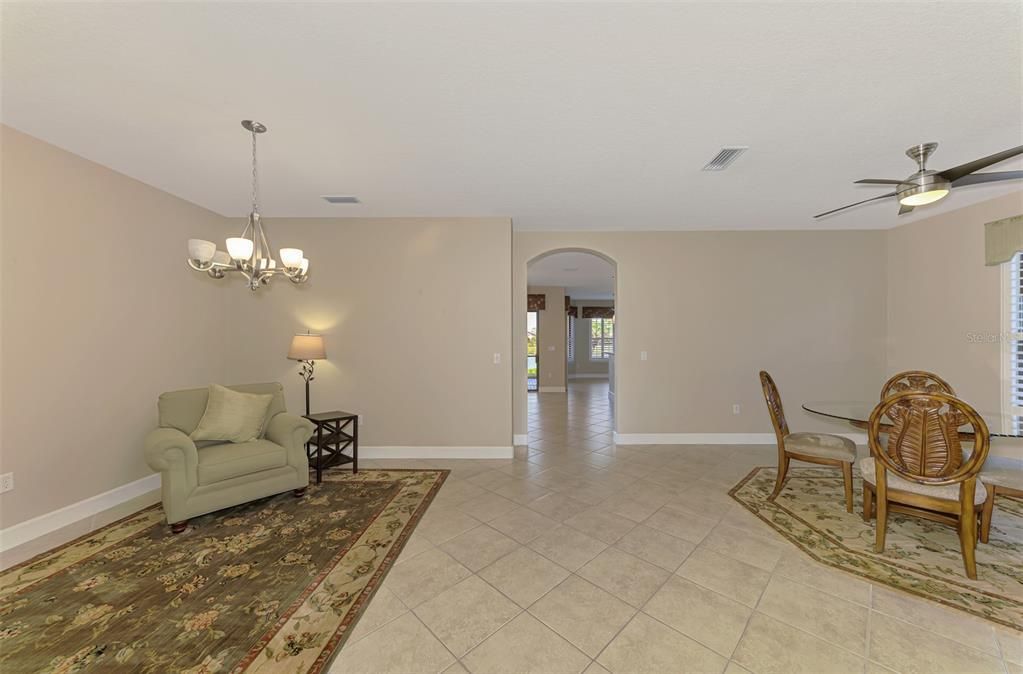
28	530
436	452
594	375
520	439
712	438
552	389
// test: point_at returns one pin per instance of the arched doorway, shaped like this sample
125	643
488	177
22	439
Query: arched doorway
570	335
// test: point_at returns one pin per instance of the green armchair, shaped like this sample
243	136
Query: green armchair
198	479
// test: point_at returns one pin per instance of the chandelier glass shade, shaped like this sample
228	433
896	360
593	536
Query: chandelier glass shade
249	253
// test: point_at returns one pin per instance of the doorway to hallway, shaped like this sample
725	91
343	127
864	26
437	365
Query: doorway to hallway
579	421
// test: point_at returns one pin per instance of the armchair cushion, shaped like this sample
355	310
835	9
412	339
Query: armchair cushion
949	492
183	409
232	416
223	462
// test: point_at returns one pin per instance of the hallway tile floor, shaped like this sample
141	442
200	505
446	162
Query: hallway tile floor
580	555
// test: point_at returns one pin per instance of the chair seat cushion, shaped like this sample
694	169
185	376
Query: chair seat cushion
1003	477
821	445
223	462
948	492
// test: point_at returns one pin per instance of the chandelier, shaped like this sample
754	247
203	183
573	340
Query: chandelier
249	253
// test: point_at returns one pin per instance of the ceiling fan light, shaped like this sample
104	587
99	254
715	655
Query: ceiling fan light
922	198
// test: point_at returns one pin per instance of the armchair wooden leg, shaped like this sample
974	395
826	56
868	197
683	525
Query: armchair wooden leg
783	468
881	528
968	532
868	502
989	511
847	478
178	527
299	493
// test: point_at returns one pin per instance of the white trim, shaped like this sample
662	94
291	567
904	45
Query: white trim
436	452
28	530
520	439
712	438
552	389
594	375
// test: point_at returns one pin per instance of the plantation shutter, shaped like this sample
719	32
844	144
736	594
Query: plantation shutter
1015	336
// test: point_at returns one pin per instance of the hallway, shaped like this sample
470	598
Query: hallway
577	422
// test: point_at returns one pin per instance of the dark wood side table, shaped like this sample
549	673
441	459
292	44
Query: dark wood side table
335	431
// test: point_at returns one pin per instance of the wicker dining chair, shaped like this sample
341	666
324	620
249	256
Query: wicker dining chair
921	471
916	380
820	448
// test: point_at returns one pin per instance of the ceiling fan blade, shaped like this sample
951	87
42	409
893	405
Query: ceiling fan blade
976	178
957	172
905	209
878	181
836	210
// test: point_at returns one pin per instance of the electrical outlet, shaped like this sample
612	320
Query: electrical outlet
497	359
642	355
736	409
361	421
6	482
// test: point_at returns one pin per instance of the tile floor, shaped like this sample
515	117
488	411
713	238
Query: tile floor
579	555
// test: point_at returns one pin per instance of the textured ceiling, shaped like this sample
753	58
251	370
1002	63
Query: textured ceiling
561	116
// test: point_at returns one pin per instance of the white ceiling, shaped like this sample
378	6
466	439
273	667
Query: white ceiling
583	275
561	116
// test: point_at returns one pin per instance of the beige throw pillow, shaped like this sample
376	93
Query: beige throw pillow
232	416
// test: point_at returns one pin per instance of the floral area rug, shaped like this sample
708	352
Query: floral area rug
920	557
272	586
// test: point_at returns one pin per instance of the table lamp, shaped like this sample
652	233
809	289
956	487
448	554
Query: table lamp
307	349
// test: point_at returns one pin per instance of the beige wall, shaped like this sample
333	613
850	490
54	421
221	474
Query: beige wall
552	340
413	311
100	315
713	308
944	305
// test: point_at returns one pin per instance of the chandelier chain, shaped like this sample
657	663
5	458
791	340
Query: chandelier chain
255	177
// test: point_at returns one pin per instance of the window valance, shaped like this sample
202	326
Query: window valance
536	302
1002	240
598	312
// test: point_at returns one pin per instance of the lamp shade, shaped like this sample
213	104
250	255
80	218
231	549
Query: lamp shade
307	347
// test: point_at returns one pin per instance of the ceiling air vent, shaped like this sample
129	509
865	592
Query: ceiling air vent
723	160
340	199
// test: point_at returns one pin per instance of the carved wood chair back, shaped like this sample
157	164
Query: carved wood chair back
774	406
916	380
924	439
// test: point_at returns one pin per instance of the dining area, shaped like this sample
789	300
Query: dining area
923	507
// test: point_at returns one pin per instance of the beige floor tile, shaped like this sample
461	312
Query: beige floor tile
822	615
627	577
376	654
735	668
600	524
523	524
522	491
745	547
730	577
656	547
595	668
795	565
1013	668
1011	644
487	507
425	576
460	629
907	648
488	478
681	524
771	646
457	668
583	613
567	547
479	547
557	506
456	491
645	646
443	524
382	609
525	646
943	621
715	621
524	576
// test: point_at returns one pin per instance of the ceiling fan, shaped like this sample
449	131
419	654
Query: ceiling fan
925	187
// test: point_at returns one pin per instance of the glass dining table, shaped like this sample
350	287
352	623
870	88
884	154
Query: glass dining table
858	413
